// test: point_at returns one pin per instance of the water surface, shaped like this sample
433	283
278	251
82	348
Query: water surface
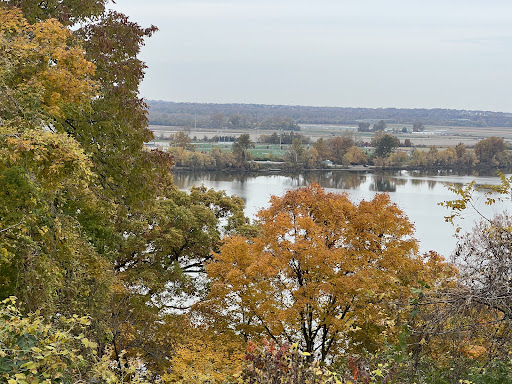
418	194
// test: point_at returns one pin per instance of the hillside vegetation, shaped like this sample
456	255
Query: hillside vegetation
110	274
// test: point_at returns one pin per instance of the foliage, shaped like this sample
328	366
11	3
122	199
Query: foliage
418	126
48	258
462	327
491	151
286	364
384	143
321	273
37	350
66	11
396	364
42	72
184	113
181	139
205	356
283	138
166	256
34	351
241	148
296	153
92	224
354	155
380	126
363	127
339	146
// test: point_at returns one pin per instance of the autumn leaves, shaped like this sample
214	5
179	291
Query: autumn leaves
322	273
42	71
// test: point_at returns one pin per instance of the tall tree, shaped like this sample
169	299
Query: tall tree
380	126
296	152
181	139
322	148
319	274
339	147
384	143
418	126
491	151
363	127
51	220
241	147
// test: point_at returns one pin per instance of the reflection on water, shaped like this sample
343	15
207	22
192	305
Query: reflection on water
418	193
382	183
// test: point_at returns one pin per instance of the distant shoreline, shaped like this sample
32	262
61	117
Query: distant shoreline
349	168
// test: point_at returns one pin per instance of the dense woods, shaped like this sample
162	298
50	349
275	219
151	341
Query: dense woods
110	274
250	115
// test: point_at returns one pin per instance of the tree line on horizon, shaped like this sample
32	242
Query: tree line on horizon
207	115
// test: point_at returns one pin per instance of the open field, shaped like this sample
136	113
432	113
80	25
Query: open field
260	151
439	136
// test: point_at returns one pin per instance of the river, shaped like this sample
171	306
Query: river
418	194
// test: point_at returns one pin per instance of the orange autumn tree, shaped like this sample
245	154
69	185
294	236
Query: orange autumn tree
324	273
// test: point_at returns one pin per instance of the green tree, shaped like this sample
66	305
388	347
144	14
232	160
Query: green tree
363	127
380	126
384	143
296	152
241	148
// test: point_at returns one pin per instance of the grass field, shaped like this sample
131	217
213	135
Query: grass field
260	151
439	136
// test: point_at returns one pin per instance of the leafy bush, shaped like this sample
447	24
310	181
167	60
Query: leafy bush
271	364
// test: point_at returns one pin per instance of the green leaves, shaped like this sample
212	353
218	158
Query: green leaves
33	350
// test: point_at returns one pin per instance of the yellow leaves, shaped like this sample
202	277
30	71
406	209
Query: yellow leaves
88	344
53	157
40	70
4	255
11	21
38	350
321	263
474	351
206	356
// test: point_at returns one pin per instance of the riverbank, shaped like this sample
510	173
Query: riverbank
281	168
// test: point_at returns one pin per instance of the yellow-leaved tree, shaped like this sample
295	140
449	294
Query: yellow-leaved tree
42	72
325	273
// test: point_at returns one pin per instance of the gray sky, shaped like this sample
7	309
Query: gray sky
366	53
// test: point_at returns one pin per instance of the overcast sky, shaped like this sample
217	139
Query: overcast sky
365	53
